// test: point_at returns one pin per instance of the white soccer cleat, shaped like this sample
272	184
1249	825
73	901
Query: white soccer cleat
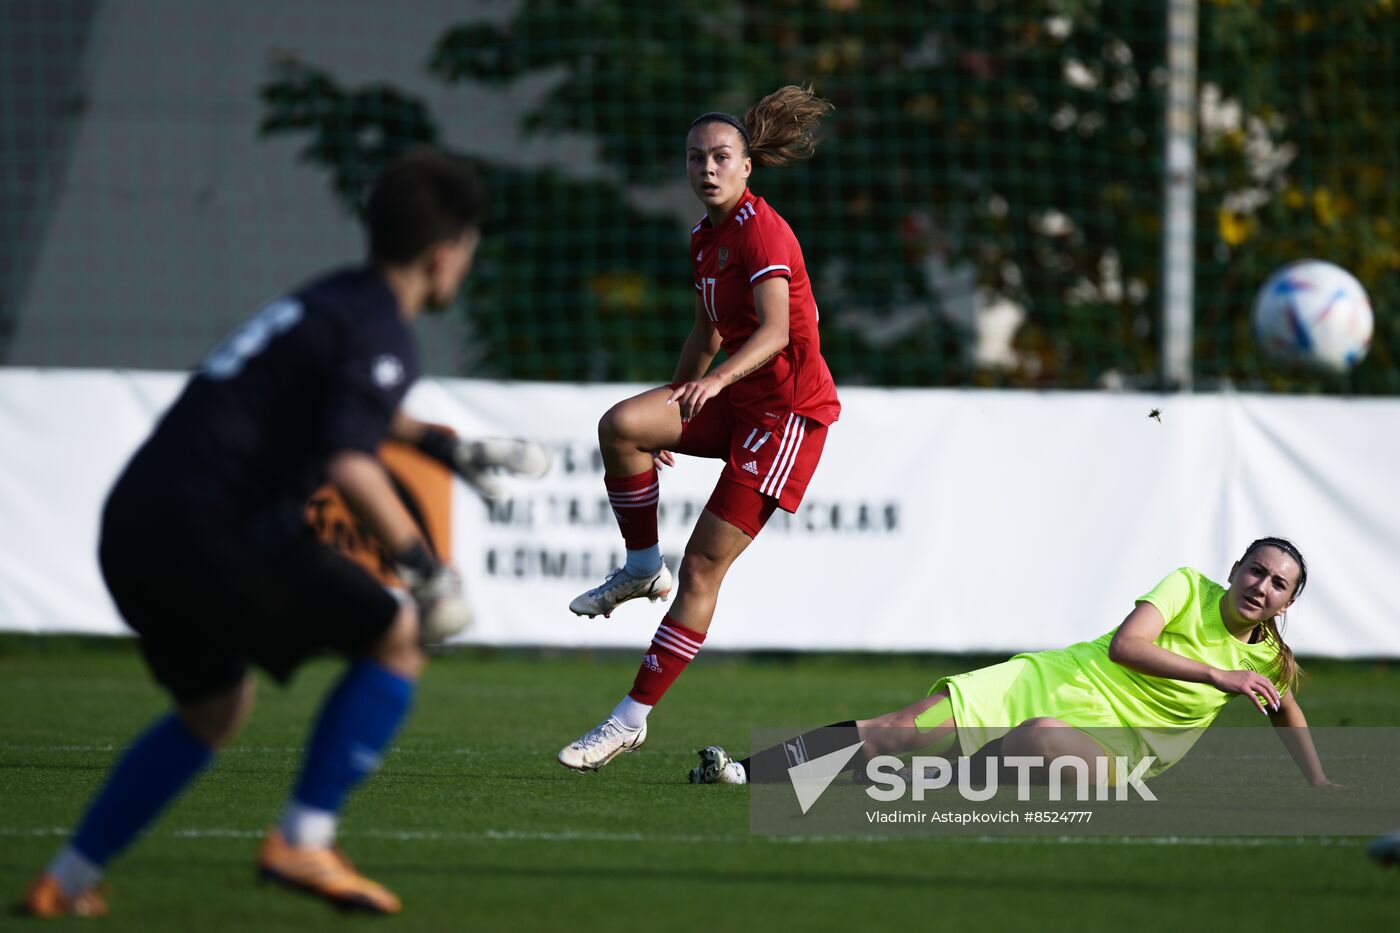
601	744
443	619
619	587
1386	849
477	460
716	767
442	610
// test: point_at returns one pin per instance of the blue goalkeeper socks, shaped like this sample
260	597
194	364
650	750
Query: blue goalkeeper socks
151	774
359	718
356	723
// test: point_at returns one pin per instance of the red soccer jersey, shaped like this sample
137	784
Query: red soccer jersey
752	244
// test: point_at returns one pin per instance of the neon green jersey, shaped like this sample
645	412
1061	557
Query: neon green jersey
1190	604
1126	711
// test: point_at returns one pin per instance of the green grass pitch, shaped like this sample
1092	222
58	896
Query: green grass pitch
473	823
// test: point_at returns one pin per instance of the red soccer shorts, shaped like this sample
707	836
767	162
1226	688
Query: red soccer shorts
769	459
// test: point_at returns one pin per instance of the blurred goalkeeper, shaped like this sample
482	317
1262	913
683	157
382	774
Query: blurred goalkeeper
207	555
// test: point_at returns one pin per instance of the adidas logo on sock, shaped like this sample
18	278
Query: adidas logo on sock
650	663
751	466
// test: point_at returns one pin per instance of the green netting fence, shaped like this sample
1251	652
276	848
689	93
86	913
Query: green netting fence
985	208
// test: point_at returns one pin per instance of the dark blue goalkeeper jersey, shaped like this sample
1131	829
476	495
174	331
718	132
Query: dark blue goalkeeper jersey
319	371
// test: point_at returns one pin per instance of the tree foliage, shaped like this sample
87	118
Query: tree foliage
981	151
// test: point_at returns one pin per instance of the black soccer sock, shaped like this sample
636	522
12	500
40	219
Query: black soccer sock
772	764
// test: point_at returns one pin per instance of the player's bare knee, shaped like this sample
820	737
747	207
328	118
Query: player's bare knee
620	425
400	648
1040	735
1044	722
607	429
700	572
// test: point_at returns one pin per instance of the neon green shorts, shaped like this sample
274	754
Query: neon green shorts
989	702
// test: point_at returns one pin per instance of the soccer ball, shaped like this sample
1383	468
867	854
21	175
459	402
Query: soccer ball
1314	313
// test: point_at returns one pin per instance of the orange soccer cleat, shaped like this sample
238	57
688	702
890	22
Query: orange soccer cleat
45	898
323	872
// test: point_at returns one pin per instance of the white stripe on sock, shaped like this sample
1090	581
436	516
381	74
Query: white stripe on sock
674	647
636	505
681	636
631	495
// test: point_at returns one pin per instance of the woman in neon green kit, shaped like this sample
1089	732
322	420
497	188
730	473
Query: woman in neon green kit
1150	687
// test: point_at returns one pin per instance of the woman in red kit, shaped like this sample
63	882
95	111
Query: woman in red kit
764	410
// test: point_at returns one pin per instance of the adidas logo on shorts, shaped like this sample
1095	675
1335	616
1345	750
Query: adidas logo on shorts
751	467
